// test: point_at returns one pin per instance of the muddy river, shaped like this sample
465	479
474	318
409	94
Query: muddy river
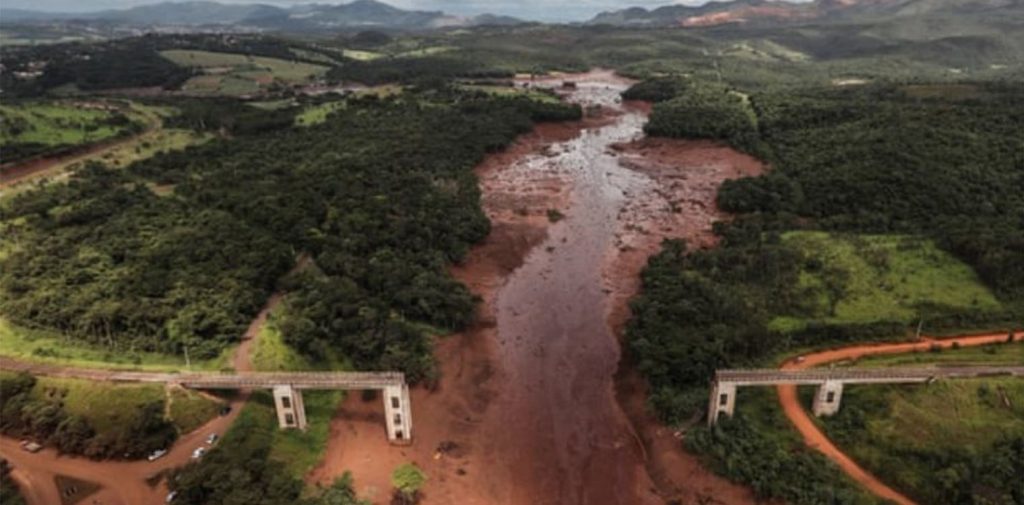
527	410
564	436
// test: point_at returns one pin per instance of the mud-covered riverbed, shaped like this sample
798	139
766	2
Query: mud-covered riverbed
527	410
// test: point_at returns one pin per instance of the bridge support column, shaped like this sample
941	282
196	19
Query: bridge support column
398	414
291	413
722	401
828	397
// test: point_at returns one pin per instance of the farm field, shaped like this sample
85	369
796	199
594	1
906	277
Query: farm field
239	74
37	127
118	154
866	278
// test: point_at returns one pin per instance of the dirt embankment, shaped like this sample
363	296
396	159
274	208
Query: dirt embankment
527	410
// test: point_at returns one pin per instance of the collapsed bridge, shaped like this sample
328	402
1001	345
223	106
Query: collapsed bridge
287	388
830	382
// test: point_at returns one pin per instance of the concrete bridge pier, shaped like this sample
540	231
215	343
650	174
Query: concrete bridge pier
828	397
722	401
398	414
291	412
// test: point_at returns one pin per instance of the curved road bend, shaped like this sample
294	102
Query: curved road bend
814	437
124	482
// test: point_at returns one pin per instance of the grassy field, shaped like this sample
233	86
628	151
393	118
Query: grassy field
316	114
865	278
239	74
302	450
1001	354
913	436
59	123
298	450
190	410
109	407
361	55
271	354
511	91
121	154
151	144
50	347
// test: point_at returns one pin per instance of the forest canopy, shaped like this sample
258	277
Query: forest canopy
381	196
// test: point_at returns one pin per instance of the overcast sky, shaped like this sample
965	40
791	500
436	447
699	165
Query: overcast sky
529	9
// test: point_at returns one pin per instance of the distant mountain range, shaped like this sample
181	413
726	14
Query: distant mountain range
368	14
760	12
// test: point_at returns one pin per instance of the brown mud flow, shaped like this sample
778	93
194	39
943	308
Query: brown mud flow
526	411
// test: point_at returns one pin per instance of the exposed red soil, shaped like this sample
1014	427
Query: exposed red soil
21	172
680	204
124	482
526	403
452	411
814	438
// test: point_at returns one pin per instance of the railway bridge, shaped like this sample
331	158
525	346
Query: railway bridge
287	388
830	382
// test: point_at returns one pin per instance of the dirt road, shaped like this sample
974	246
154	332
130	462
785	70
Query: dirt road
527	411
813	437
124	482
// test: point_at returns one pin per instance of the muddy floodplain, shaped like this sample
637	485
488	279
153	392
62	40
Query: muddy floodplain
527	410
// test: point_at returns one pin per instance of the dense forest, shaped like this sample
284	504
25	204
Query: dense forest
893	178
382	196
874	159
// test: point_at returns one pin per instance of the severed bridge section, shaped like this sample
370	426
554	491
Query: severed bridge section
830	382
287	388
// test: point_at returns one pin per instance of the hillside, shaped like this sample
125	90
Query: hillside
359	14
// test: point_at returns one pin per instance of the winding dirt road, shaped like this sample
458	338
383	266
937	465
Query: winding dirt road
814	437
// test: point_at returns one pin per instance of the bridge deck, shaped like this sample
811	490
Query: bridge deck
220	380
767	377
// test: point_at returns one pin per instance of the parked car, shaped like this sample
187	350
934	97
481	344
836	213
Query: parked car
198	453
212	439
157	454
225	410
171	496
30	446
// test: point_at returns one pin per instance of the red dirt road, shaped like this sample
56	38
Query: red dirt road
813	437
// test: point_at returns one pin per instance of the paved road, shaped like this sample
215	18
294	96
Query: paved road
813	437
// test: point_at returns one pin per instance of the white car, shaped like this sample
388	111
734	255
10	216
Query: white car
157	454
198	453
170	496
212	439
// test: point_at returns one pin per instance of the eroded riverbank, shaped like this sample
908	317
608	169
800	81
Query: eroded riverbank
527	410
